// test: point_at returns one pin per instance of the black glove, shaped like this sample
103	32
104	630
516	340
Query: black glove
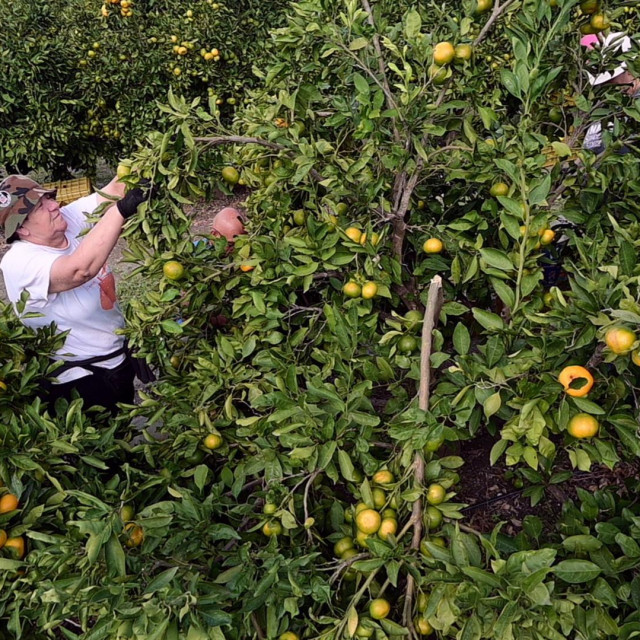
128	205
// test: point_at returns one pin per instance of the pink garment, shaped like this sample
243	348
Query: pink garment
589	40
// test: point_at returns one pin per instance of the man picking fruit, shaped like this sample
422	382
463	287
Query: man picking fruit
62	273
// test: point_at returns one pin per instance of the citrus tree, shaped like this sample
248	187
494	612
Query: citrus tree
407	170
81	79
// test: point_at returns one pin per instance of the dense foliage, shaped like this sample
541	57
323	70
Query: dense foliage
82	82
282	395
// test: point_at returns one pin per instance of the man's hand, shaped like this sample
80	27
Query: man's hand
128	205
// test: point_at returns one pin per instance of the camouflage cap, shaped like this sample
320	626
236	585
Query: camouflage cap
19	196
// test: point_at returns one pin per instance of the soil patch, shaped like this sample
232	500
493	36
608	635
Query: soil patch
491	496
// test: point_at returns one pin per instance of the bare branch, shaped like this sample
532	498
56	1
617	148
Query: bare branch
256	626
498	9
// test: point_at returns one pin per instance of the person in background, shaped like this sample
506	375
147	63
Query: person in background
611	44
58	261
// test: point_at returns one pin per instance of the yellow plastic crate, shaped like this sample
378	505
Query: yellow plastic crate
70	190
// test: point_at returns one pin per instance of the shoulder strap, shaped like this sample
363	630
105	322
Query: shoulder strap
70	364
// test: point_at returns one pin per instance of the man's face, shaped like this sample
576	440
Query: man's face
44	224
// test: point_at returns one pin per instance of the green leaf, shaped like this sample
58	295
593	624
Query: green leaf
346	466
510	81
171	326
576	571
413	24
588	406
497	450
161	580
492	404
539	193
582	543
488	320
358	43
504	291
562	150
114	557
461	339
362	86
628	545
497	259
200	476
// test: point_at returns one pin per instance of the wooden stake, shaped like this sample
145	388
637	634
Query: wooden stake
431	314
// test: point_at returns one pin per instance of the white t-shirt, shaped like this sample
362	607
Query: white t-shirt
90	312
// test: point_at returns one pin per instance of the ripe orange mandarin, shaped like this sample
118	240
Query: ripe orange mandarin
620	340
573	373
583	425
8	503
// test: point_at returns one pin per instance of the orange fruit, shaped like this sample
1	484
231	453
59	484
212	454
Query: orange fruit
620	340
3	386
572	373
379	498
347	554
342	208
547	236
463	52
135	534
123	170
230	175
368	521
483	6
407	344
352	289
344	544
363	632
443	53
361	506
433	245
499	189
599	22
434	517
438	75
289	635
213	441
379	608
361	539
3	537
583	425
269	508
383	477
272	529
589	6
15	547
388	527
433	444
369	290
8	503
354	234
173	270
127	513
635	357
435	494
422	626
439	542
